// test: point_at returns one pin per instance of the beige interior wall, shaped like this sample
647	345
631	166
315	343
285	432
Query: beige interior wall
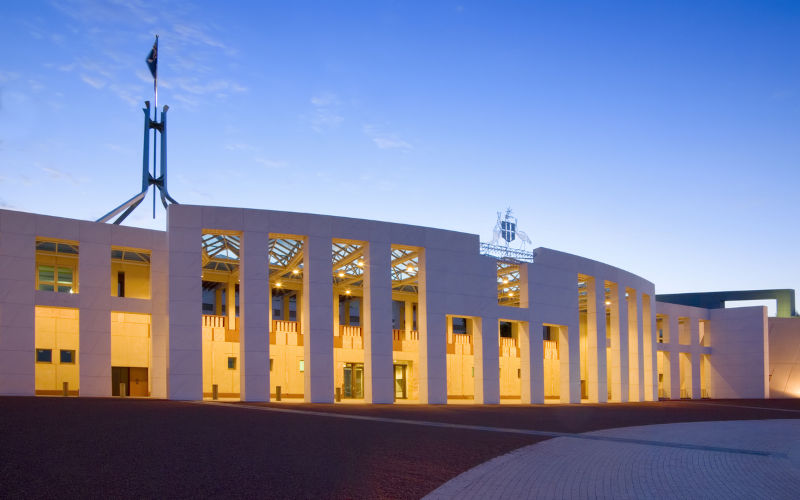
137	279
56	328
216	351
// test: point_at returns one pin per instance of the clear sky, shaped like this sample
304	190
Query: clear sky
661	137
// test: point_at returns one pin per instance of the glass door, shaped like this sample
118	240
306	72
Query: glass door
400	382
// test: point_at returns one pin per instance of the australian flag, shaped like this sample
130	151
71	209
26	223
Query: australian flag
152	59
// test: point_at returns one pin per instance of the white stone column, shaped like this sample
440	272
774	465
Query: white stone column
596	341
94	345
536	349
17	316
377	321
674	358
695	350
254	312
624	377
317	318
487	360
571	363
640	351
159	297
432	328
185	376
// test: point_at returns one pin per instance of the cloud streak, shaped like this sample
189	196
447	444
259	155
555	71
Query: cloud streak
385	140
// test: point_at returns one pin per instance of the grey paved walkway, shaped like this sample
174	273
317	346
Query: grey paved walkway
733	459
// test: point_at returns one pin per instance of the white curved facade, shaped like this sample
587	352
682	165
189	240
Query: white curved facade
330	307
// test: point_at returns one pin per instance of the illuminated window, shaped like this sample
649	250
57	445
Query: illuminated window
231	363
67	357
44	355
302	365
52	279
56	266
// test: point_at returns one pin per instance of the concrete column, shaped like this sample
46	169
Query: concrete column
377	324
674	358
536	349
524	340
695	350
159	284
317	319
254	328
613	363
432	328
649	348
185	376
94	345
17	316
596	341
624	377
637	360
569	335
487	360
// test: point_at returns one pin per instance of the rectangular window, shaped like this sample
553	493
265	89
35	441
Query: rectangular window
459	325
547	333
302	365
44	355
231	363
121	284
270	363
67	357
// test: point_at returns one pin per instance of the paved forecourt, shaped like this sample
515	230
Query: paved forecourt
732	459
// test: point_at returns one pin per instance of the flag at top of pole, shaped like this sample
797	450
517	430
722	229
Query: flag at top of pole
152	63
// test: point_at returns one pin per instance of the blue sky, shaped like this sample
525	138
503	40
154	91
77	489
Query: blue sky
662	137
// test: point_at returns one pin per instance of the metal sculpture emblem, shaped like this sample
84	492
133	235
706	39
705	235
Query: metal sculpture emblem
506	229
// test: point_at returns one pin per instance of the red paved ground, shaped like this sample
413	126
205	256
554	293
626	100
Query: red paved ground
144	448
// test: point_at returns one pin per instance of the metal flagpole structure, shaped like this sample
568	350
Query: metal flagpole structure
159	127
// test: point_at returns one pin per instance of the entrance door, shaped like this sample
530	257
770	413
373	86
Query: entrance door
120	379
353	381
400	382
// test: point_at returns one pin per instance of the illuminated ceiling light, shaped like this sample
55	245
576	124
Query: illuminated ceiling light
278	284
295	271
505	281
410	269
510	294
341	274
608	302
360	263
347	292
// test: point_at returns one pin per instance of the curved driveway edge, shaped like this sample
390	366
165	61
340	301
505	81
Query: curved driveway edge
732	459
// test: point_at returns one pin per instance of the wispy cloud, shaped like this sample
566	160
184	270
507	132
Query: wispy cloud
270	163
385	140
106	28
325	114
60	175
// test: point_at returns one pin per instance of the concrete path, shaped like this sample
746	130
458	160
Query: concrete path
732	459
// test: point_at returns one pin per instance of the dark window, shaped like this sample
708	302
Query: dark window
231	363
44	355
67	357
548	333
121	284
459	325
505	329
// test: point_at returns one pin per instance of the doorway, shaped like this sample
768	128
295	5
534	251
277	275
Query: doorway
131	380
353	387
400	389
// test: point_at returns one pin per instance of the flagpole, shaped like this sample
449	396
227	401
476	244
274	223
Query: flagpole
155	132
